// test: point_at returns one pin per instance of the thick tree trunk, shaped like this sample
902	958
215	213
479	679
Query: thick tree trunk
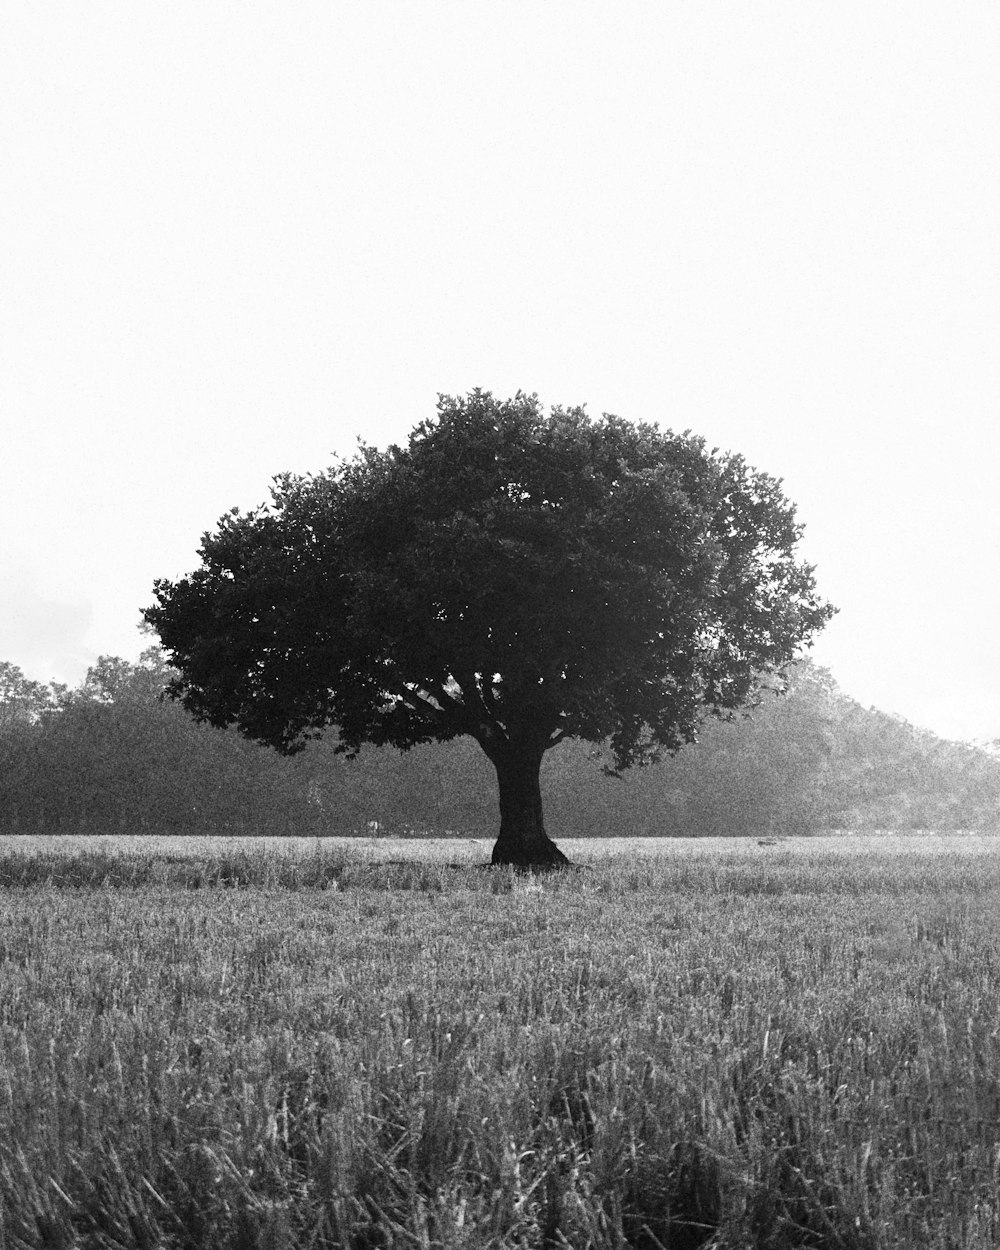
523	841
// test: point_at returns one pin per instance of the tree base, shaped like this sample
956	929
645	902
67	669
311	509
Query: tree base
542	856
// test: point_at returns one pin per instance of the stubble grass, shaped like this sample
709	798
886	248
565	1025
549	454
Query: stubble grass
236	1047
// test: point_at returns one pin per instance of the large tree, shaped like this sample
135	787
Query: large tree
511	575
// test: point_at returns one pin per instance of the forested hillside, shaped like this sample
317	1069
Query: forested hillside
110	756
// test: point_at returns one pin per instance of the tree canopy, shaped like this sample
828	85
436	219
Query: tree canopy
509	575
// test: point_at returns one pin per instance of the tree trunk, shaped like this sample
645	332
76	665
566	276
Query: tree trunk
523	841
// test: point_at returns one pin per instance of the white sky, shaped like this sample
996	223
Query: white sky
233	237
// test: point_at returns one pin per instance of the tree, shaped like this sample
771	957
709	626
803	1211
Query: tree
516	577
22	701
112	756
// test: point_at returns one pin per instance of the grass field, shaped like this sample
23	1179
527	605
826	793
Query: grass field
232	1044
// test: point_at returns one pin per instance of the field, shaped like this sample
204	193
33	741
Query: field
222	1044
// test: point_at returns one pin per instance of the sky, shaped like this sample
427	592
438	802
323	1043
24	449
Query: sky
234	238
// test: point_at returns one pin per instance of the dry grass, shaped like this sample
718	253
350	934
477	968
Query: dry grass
727	1046
477	850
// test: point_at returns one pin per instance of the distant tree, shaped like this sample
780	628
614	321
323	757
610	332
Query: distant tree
22	701
437	787
516	577
107	680
111	755
23	704
103	756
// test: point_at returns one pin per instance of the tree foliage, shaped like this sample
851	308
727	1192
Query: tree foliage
507	575
594	579
22	701
111	756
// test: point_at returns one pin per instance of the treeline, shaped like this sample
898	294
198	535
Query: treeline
112	756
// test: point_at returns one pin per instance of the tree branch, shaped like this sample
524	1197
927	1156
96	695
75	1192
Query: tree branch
489	698
470	686
418	703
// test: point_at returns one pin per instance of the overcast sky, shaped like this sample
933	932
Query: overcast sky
235	237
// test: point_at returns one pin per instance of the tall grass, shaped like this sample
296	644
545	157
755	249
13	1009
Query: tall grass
280	1051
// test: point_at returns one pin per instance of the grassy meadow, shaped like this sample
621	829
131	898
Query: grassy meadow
227	1044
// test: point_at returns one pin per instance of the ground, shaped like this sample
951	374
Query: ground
716	1043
